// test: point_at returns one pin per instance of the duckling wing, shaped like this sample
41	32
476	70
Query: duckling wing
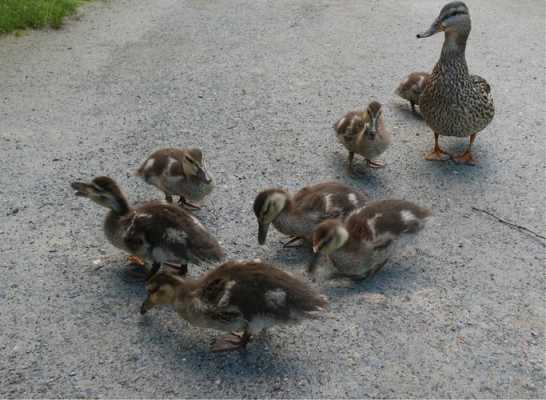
329	200
384	220
175	233
255	289
348	127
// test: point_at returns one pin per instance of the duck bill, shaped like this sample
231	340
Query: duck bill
81	189
203	176
262	232
434	28
146	306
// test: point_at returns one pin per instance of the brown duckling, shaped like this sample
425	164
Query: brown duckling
364	133
178	172
360	245
241	297
297	215
411	88
157	232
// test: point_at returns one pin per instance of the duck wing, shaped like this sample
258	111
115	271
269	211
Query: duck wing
329	200
481	83
256	289
168	231
385	220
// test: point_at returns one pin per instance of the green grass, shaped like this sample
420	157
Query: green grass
21	14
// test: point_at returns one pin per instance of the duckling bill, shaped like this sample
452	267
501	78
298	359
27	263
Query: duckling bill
239	297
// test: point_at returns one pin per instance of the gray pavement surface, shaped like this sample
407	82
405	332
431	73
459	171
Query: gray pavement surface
258	84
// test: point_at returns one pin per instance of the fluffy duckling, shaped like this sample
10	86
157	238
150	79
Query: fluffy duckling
411	88
239	297
364	133
180	172
361	245
297	215
157	232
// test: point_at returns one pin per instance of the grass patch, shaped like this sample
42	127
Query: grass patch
21	14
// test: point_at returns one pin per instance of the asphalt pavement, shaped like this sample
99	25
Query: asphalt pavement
257	85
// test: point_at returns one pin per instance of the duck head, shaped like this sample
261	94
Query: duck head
454	20
329	236
161	290
194	164
267	207
104	191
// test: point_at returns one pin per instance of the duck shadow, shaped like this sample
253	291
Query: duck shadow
292	256
458	172
404	109
176	343
366	179
395	279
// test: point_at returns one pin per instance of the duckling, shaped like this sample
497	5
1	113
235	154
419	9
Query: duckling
364	133
411	88
242	297
180	172
453	102
297	215
157	232
360	245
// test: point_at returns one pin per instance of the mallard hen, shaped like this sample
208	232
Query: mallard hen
453	102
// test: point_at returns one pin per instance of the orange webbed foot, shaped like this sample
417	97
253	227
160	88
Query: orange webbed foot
230	342
466	159
136	261
437	154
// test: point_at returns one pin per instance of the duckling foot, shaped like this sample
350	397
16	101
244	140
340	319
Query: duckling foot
182	202
181	269
437	155
377	269
466	158
231	342
376	163
354	173
136	261
293	242
137	274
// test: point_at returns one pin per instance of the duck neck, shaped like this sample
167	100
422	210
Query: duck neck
453	52
284	220
120	207
185	298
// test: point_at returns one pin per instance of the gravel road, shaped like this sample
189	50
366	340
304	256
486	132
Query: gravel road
258	84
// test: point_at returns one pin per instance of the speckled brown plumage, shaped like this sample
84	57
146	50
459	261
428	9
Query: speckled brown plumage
364	133
453	102
412	87
246	296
